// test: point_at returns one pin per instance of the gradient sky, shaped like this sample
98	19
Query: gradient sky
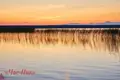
58	11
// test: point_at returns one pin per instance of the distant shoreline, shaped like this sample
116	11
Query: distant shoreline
60	26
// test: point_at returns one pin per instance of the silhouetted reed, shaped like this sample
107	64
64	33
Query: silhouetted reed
94	39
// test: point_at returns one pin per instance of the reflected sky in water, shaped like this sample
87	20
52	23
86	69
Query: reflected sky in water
61	55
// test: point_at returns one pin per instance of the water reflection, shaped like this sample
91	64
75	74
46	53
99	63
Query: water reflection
71	59
94	41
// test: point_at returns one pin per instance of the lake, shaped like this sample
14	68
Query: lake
61	54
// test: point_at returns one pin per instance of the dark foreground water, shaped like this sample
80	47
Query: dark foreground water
61	55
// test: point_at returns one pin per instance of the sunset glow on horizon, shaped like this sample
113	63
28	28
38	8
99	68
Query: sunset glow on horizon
58	11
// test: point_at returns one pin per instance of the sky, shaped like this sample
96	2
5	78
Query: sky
58	11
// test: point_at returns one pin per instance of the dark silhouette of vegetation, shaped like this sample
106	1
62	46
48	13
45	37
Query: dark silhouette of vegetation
16	29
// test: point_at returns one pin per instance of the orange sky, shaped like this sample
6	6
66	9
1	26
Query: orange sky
58	12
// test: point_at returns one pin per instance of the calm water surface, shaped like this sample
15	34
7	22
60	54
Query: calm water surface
61	55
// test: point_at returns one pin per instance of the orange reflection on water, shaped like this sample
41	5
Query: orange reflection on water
101	41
